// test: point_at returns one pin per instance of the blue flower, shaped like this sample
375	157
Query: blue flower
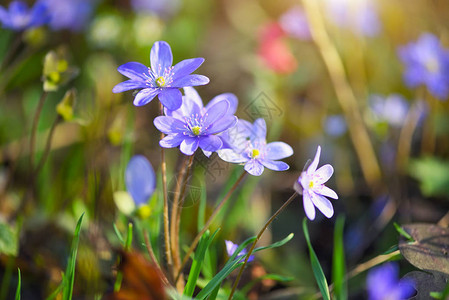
382	284
427	62
161	8
161	79
18	17
247	145
335	125
392	109
294	22
69	14
192	125
140	179
311	185
231	248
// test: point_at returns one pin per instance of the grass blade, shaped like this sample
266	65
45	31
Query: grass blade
338	263
316	267
119	235
19	283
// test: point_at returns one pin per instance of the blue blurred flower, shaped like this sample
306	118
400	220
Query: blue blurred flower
69	14
335	125
392	109
294	22
427	62
19	17
382	284
311	185
192	125
247	145
231	248
140	179
360	16
161	79
161	8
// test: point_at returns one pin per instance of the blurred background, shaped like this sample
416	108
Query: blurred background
332	74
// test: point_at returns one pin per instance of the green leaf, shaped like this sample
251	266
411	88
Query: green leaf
197	263
119	235
317	270
69	277
8	240
402	232
129	237
338	262
433	175
19	283
202	207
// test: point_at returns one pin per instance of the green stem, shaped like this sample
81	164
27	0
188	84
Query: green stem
37	114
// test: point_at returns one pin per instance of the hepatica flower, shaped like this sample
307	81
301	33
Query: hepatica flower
392	109
311	185
231	248
161	79
19	17
248	146
427	62
192	125
69	14
140	179
383	284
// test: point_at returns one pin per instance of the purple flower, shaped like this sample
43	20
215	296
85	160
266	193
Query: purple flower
69	14
382	283
231	248
162	8
311	185
294	22
247	145
427	62
162	79
140	179
392	109
18	17
335	125
192	125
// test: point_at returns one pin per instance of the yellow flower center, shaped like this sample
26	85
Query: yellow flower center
310	184
160	81
196	130
255	153
432	65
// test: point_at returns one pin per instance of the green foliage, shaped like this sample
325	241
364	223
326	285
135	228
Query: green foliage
338	262
19	283
65	107
433	175
8	240
317	270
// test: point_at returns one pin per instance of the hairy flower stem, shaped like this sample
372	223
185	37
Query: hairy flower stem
37	114
274	216
168	253
153	258
206	226
345	95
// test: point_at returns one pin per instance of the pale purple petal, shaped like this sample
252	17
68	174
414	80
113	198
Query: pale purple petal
186	67
191	94
309	208
215	112
172	140
259	129
323	204
230	247
314	164
190	80
274	165
231	98
189	145
134	70
169	125
325	191
129	85
278	150
161	57
222	124
145	96
210	143
254	168
323	174
140	179
171	98
231	156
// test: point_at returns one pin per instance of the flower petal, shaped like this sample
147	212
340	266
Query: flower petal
191	94
325	191
231	98
323	204
187	66
254	167
134	70
323	174
172	140
231	156
215	112
140	179
222	124
171	98
145	96
309	208
314	164
161	57
189	145
278	150
274	165
210	143
259	129
169	125
128	85
190	80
